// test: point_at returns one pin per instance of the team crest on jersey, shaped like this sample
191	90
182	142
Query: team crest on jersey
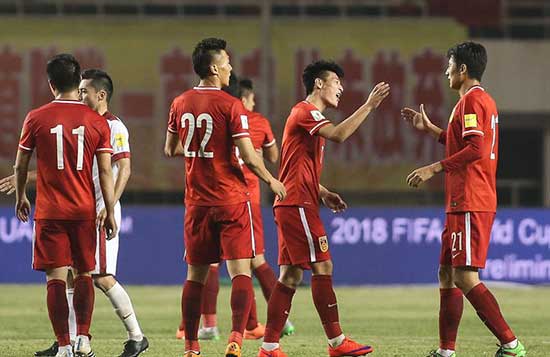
317	115
470	120
323	244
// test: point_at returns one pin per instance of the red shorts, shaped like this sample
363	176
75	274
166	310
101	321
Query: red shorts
302	237
258	228
218	232
59	243
465	239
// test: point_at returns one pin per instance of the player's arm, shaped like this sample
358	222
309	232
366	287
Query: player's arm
124	172
172	145
21	169
107	189
271	153
255	163
420	121
7	184
339	133
332	200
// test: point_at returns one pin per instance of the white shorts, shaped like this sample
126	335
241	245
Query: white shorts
106	253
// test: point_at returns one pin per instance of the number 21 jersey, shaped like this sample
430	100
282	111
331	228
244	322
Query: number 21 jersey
66	135
207	121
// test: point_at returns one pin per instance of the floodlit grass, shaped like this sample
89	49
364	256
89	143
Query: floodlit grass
397	321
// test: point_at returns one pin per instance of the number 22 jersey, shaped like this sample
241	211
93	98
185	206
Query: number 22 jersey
207	121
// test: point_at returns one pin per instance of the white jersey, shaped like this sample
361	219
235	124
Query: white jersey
121	149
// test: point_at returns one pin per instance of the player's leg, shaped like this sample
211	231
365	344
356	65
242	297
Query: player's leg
472	247
191	304
209	329
58	308
451	302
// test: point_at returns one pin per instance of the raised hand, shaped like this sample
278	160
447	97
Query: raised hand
7	185
419	120
378	94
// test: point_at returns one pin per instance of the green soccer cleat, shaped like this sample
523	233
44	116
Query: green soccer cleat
518	351
289	329
209	333
434	353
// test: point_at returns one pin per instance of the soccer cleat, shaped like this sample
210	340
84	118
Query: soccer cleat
64	353
180	334
82	347
434	353
191	353
255	334
518	351
209	333
288	329
233	350
48	352
275	353
134	348
349	348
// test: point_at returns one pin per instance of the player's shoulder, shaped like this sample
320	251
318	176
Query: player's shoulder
114	121
479	95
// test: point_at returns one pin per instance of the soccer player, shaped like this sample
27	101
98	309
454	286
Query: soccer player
66	135
265	144
303	243
470	164
204	125
96	90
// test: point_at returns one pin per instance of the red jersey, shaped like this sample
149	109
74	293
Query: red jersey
473	188
262	137
207	121
302	156
66	134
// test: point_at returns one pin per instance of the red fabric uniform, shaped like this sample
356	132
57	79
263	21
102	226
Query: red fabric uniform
262	137
302	237
218	214
470	195
66	136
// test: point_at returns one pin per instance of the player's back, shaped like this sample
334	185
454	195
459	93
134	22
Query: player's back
207	121
66	136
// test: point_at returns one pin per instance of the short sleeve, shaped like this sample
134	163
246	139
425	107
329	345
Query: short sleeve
120	141
312	121
104	143
472	119
27	140
238	122
269	139
173	119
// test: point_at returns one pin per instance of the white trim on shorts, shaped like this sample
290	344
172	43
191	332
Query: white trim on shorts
251	228
33	242
468	242
303	218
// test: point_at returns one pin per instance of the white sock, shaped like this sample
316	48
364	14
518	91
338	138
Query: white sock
125	311
72	316
270	346
445	353
512	344
336	341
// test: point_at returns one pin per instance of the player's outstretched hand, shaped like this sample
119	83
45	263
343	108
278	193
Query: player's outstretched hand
379	92
7	185
419	120
23	209
278	189
423	174
110	227
334	202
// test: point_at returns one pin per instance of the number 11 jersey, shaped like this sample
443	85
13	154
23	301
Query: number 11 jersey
207	121
66	135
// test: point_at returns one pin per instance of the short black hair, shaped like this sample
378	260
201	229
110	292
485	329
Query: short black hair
63	72
471	54
100	80
245	87
319	69
203	53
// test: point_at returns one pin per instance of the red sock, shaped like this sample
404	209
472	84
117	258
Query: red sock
278	308
241	300
267	279
58	310
210	293
191	310
252	322
451	305
488	311
325	303
83	301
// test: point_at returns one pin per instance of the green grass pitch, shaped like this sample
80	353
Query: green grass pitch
397	321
